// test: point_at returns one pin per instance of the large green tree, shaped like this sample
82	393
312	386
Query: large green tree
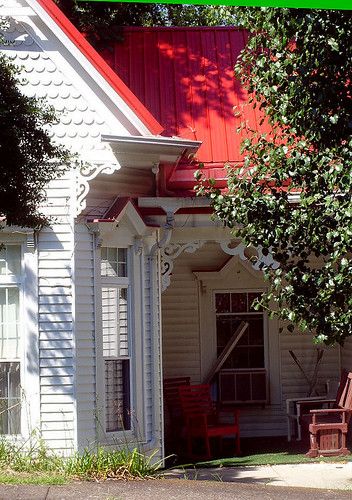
292	195
29	159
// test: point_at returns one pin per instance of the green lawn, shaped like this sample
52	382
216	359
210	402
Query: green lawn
266	451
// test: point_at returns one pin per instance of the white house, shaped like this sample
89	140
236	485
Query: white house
133	281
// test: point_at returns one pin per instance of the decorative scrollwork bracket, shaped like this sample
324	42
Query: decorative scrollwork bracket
257	260
170	253
87	172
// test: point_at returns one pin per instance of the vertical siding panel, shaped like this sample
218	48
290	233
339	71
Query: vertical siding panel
183	98
151	73
167	81
197	68
213	97
148	354
56	353
229	92
85	337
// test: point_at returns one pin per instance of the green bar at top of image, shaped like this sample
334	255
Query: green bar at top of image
299	4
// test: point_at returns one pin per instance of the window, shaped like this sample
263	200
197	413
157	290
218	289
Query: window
231	309
243	377
10	380
116	339
114	262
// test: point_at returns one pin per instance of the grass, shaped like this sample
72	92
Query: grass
267	451
16	477
120	464
267	459
33	463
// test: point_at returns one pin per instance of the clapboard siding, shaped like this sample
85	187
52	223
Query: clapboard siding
85	337
180	313
56	346
292	380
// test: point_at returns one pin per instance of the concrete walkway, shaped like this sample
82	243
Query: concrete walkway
174	489
321	481
320	475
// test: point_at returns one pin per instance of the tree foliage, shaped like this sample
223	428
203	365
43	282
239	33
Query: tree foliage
28	157
292	195
104	21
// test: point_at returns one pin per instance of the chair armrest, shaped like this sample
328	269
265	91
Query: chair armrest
315	402
329	410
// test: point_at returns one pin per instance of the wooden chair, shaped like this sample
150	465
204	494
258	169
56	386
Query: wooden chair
201	420
174	422
304	405
329	426
171	395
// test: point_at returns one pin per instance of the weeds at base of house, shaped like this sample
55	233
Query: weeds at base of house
32	463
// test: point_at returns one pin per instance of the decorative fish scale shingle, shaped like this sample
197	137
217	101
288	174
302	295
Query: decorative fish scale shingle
78	121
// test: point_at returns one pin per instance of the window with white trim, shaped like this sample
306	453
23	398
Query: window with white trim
243	375
231	309
10	341
116	338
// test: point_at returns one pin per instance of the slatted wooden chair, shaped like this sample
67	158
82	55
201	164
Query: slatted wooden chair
173	413
305	405
202	422
329	426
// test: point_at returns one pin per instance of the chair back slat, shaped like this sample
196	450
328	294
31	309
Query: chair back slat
171	393
196	400
346	397
341	394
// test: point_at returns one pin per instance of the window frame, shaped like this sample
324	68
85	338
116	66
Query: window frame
117	283
18	281
249	313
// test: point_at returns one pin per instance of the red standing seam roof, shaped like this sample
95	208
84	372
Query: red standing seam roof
185	77
99	63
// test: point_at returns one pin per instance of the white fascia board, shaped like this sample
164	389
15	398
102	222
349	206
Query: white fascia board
166	149
115	99
158	141
164	146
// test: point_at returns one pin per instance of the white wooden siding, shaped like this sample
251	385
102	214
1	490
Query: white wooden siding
56	345
180	313
85	337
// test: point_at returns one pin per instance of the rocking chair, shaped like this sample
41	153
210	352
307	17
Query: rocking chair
201	419
328	430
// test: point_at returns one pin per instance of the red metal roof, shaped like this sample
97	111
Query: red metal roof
184	76
104	69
